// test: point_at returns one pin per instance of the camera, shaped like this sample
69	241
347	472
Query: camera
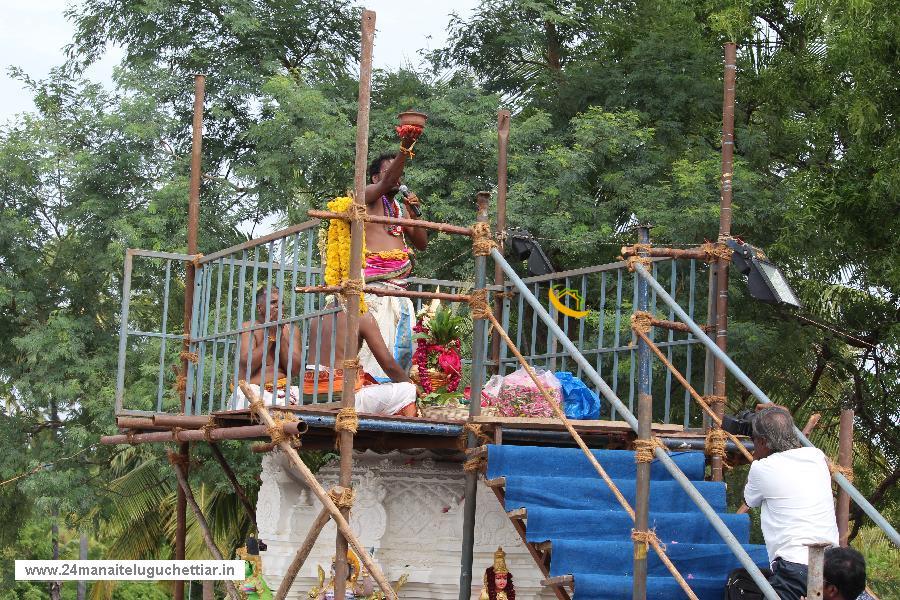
739	424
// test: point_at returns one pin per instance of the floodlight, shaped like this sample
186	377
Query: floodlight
765	281
525	247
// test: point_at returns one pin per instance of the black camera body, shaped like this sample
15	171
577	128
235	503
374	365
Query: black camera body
739	424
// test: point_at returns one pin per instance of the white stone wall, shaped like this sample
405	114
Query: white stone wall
408	511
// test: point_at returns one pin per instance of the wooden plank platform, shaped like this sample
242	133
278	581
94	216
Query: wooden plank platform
550	424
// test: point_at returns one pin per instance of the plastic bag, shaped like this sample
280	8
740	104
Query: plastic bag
518	396
579	400
491	390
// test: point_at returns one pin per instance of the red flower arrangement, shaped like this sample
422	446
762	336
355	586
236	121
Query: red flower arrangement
432	355
409	131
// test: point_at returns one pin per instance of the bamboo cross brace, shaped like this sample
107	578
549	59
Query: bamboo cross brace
201	522
706	408
302	554
652	540
343	526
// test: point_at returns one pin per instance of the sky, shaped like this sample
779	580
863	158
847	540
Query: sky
34	33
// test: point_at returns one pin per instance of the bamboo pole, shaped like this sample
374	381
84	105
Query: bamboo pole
199	435
175	459
644	433
189	281
719	387
503	117
351	341
379	291
343	526
238	489
845	459
302	554
441	227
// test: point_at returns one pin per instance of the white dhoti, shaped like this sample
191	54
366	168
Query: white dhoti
385	398
239	400
395	318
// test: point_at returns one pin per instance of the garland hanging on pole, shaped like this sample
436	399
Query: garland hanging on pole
337	254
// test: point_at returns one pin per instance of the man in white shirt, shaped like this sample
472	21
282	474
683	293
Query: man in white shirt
792	484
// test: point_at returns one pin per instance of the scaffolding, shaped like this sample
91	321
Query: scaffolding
209	400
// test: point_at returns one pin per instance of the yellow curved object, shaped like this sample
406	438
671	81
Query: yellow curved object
557	303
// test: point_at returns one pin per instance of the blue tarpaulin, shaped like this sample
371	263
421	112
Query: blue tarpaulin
579	400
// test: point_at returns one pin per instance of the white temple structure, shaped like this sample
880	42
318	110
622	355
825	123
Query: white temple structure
408	512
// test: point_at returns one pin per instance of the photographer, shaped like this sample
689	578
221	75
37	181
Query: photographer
792	484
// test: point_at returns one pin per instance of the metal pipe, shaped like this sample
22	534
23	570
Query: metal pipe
477	381
199	435
845	459
503	117
629	418
442	227
351	340
742	377
645	420
275	235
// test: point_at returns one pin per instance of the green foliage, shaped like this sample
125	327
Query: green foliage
617	111
444	326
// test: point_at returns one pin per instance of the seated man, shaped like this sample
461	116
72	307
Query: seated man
792	484
257	348
845	574
398	397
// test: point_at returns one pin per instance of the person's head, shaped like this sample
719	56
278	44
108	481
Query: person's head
845	574
380	166
267	311
773	431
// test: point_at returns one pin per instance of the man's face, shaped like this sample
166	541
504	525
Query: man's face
760	449
385	165
268	312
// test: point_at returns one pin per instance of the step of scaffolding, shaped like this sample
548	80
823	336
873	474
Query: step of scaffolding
581	538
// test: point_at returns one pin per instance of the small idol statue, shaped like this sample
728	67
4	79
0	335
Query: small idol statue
254	587
498	581
360	584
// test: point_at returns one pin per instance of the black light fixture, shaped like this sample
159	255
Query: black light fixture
765	281
525	247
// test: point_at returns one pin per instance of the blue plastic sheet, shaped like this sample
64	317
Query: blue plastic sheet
580	402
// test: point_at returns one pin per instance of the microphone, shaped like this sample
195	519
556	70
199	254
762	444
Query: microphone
412	207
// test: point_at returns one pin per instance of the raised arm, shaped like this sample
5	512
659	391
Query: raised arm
368	332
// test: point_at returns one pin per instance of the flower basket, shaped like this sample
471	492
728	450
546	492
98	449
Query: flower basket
438	379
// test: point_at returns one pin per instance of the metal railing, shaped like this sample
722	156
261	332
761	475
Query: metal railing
604	335
225	316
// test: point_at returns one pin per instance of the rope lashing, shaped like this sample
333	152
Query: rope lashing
648	537
352	287
642	321
475	465
190	356
643	449
355	212
479	304
343	499
482	438
717	251
181	383
482	239
207	429
178	460
833	468
196	260
129	437
351	363
715	442
632	255
347	420
715	402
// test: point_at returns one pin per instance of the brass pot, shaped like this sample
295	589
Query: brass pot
412	117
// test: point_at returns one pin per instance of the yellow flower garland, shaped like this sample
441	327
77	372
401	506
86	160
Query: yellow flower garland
337	255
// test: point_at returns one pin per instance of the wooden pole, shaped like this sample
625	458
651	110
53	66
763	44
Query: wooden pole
175	459
845	459
189	281
302	554
320	493
351	341
238	489
502	155
721	373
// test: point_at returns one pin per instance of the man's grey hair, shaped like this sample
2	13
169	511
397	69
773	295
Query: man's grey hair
775	427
